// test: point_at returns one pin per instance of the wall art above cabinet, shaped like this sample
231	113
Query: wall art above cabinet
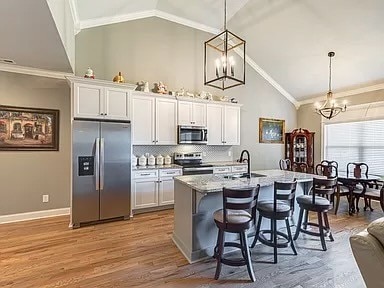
98	99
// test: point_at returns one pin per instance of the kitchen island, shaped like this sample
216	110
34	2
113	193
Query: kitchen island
197	197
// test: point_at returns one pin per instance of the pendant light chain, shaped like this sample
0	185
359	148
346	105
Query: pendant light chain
330	73
225	15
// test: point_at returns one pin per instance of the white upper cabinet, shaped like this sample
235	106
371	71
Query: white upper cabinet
154	120
215	123
232	125
88	100
223	122
192	113
166	121
143	120
117	104
99	99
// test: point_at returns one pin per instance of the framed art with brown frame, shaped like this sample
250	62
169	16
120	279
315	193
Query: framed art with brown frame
271	130
28	129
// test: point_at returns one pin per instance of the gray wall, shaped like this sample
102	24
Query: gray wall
25	176
307	118
154	49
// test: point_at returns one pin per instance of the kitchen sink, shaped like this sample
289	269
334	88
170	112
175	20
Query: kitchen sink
245	175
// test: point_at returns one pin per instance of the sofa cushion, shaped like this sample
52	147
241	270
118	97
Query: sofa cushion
376	228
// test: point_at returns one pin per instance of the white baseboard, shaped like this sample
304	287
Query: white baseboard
33	215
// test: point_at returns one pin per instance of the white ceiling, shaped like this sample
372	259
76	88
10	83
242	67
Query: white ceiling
288	39
29	36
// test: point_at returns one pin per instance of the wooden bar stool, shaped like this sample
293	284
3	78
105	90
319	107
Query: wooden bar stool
237	216
280	208
317	204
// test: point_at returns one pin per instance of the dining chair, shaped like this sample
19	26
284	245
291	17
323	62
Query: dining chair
358	169
300	167
375	193
330	162
285	164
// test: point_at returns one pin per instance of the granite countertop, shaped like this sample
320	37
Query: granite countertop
171	166
225	163
212	183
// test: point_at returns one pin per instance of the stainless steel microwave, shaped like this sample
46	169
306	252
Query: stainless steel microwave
192	135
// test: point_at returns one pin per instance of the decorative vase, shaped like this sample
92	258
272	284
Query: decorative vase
118	78
167	160
151	160
146	87
160	160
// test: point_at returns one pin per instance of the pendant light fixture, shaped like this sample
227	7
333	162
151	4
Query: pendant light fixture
330	108
224	59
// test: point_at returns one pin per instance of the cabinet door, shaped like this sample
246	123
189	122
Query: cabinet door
232	125
145	193
88	101
199	114
116	104
166	191
215	124
166	122
143	120
184	113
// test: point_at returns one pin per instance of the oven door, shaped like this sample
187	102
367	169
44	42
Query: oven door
192	135
197	170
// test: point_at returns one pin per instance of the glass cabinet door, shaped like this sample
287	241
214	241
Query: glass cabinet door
300	145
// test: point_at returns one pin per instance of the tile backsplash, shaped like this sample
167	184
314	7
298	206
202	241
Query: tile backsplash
210	153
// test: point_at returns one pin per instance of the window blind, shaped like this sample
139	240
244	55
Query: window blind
356	142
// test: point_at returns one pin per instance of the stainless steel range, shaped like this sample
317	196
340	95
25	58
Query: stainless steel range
192	163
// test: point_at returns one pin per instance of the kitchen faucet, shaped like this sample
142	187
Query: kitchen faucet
248	161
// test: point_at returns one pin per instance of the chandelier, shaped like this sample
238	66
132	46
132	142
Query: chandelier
330	108
224	59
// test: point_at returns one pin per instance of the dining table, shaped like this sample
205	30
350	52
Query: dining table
351	180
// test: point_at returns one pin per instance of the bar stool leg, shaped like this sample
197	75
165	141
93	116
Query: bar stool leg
257	231
305	219
274	233
220	250
298	227
327	226
247	254
321	231
290	236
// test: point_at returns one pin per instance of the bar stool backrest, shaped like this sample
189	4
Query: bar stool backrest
240	199
288	196
358	169
285	164
323	187
328	170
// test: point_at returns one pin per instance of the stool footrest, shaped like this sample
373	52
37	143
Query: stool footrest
234	262
270	243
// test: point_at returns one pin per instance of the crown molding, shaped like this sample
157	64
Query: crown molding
189	23
75	16
346	93
34	71
96	22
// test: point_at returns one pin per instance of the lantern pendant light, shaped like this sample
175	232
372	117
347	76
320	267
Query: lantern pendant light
224	59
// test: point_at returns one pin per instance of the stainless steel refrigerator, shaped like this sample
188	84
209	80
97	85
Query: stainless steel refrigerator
101	182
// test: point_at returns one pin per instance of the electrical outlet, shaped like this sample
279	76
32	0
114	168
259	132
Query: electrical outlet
229	153
204	154
45	198
146	155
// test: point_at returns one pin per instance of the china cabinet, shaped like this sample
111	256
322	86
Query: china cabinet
299	149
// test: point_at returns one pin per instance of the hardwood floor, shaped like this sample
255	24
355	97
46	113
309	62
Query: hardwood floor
140	253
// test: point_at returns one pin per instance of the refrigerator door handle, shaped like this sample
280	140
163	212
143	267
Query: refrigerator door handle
97	164
101	163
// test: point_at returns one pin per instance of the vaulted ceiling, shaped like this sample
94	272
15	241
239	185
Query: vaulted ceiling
287	40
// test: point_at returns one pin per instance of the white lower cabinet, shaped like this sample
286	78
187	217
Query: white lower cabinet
153	188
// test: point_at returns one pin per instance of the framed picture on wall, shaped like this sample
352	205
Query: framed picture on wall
28	129
271	130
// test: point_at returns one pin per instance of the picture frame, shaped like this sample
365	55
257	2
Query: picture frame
271	130
29	129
